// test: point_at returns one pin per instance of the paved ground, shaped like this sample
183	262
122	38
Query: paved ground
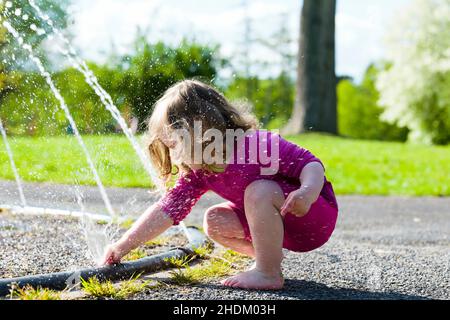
383	247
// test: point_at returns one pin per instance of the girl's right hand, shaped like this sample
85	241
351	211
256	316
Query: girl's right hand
113	255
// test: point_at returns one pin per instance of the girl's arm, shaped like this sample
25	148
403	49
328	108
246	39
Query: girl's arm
312	179
151	224
299	163
172	208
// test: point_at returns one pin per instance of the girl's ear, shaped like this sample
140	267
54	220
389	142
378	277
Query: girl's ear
177	170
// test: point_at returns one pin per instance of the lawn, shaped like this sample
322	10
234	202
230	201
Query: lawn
381	168
353	166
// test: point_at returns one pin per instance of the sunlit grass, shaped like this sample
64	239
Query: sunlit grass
204	251
211	269
159	241
61	160
126	224
353	166
30	293
381	168
107	289
179	262
214	267
135	254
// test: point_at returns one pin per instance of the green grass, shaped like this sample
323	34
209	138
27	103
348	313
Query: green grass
61	160
159	241
381	168
135	254
204	251
211	269
214	266
107	289
353	166
30	293
179	262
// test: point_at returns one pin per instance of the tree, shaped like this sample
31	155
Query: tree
24	18
359	112
282	87
415	90
34	31
315	104
271	99
155	67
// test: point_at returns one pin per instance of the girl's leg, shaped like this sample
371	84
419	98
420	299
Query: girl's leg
263	200
222	225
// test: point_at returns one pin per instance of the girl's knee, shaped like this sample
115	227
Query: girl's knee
263	192
222	221
212	221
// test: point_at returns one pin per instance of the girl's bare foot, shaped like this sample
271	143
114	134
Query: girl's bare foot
254	279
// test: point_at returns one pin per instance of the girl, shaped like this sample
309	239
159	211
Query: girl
290	205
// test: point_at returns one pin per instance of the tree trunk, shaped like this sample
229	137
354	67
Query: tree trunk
316	102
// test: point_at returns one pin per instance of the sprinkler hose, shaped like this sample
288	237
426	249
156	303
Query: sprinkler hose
122	271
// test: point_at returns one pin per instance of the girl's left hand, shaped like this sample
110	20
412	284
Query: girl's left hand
297	203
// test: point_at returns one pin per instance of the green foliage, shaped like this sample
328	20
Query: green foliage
155	67
13	57
359	113
134	82
18	111
56	10
415	90
126	224
272	99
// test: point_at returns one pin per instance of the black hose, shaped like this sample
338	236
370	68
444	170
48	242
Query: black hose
122	271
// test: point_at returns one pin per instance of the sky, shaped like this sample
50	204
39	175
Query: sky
360	26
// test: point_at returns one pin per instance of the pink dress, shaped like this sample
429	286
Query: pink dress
300	234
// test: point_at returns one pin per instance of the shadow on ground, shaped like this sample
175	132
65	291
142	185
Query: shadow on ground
307	290
310	290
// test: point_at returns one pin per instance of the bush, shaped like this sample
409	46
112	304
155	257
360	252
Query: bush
415	90
156	67
31	108
359	113
272	99
134	83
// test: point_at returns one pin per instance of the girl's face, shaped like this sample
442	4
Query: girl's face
172	144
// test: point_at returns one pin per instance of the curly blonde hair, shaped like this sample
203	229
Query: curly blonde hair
180	106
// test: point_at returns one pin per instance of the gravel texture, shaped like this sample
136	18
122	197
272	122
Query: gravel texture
383	247
35	245
43	244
